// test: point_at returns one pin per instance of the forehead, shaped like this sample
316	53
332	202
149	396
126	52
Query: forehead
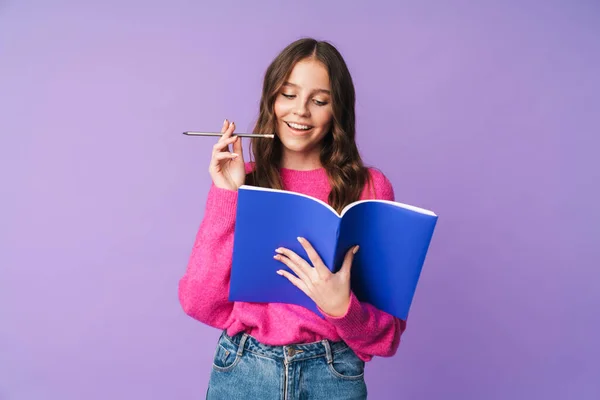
310	75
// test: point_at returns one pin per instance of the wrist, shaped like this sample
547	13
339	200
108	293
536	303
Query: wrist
340	310
223	186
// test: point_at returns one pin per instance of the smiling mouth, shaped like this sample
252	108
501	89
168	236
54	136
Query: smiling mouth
298	127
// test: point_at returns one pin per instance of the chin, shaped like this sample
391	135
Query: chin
296	146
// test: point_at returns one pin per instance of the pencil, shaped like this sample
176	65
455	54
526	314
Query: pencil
246	135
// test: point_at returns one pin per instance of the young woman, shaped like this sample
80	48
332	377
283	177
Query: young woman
282	351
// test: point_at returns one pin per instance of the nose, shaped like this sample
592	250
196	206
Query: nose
300	108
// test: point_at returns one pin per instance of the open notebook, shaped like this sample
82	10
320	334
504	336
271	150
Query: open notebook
393	237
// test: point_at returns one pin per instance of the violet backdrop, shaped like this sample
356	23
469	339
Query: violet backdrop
486	112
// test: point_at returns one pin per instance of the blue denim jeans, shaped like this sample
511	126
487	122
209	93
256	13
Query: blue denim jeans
244	368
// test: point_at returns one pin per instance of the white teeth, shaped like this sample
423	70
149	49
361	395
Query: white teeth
298	126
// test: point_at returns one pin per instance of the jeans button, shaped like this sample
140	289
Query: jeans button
291	352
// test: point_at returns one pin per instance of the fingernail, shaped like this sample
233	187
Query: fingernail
355	250
279	272
234	155
301	240
278	250
225	121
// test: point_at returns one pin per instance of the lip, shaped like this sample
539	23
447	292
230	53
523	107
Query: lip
298	131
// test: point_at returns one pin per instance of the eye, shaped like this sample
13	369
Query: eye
320	103
288	96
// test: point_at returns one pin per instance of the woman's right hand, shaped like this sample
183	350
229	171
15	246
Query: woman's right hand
227	169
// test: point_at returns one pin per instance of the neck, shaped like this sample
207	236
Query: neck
301	161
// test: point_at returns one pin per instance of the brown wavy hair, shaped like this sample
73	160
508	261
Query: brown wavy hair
339	154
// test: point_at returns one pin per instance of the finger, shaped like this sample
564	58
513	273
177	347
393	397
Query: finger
225	125
237	146
293	266
224	156
227	136
295	281
348	259
314	257
299	261
229	131
222	145
224	130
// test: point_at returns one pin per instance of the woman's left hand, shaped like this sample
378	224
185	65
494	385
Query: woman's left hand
331	292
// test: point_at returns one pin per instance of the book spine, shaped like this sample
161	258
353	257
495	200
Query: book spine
333	266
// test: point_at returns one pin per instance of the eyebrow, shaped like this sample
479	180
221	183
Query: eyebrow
315	91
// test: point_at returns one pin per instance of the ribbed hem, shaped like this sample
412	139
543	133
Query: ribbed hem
351	321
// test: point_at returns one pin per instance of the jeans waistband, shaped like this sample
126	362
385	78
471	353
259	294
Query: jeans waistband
289	353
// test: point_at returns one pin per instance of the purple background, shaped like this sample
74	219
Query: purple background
485	112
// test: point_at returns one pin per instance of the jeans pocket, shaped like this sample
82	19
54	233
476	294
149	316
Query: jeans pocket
226	357
346	365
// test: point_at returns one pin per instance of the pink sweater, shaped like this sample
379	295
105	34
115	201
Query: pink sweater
204	288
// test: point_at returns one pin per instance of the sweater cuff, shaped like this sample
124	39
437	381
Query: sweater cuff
221	207
353	319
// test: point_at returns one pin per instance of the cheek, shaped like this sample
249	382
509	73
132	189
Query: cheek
280	108
323	117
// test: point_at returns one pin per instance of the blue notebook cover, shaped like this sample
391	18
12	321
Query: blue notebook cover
393	237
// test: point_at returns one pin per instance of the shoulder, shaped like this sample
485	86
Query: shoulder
379	186
249	166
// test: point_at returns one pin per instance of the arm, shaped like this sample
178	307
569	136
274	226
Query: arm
366	329
204	288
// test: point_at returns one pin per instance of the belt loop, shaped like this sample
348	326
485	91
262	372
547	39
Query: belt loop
327	351
240	350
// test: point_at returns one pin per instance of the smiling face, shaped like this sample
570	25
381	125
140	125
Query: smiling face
304	114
